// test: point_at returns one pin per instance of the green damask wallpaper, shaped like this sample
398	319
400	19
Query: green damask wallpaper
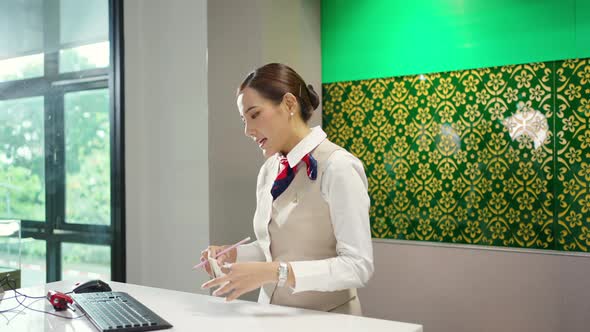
494	156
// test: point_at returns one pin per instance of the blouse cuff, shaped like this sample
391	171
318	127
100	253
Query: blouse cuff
309	275
250	252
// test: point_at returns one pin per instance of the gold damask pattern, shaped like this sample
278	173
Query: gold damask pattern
442	166
572	145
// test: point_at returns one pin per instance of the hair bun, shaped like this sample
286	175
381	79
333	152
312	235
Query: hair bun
313	97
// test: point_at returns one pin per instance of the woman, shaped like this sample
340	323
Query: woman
313	246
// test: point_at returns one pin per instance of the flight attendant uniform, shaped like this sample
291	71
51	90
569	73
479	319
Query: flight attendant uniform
320	226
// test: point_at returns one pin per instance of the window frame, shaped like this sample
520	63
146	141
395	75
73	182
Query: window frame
52	87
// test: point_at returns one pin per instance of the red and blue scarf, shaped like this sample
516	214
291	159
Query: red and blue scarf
287	174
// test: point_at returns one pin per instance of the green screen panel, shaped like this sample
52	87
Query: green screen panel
384	38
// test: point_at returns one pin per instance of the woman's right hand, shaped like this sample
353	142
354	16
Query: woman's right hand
228	257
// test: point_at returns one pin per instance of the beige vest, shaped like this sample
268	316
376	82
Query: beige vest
301	230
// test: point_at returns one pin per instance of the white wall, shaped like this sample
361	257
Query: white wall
244	35
184	183
166	141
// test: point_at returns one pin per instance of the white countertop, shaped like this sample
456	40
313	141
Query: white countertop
192	312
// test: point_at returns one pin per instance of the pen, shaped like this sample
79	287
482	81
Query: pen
222	252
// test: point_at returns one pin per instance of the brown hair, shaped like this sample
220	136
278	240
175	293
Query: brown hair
274	80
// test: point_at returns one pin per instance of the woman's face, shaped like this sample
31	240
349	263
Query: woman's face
264	121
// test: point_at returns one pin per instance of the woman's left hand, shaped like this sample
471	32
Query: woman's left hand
241	278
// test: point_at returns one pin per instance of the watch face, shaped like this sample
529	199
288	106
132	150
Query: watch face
283	273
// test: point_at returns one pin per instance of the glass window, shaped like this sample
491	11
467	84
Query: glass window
56	121
21	28
84	35
22	159
33	263
85	57
83	23
87	157
22	67
85	261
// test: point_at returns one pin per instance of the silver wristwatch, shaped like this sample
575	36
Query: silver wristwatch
283	273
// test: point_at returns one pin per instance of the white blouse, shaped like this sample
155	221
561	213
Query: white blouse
344	188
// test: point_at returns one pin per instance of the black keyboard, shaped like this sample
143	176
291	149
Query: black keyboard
118	311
